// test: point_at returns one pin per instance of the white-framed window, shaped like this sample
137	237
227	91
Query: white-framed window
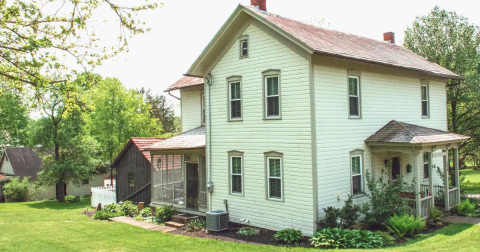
354	96
235	97
275	183
236	173
357	174
426	159
202	102
425	105
131	179
243	48
272	96
85	181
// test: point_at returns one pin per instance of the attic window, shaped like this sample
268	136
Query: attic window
243	47
6	158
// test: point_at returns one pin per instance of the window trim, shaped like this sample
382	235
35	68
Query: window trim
426	153
427	87
241	40
130	184
233	79
359	95
357	153
269	74
203	110
274	155
231	154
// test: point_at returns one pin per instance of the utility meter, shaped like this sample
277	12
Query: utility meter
210	186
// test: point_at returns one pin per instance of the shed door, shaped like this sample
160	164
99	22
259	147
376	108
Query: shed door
192	186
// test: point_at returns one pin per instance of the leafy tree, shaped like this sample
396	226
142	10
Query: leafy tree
41	38
14	117
118	114
161	109
449	40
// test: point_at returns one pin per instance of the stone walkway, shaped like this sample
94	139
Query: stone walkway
461	219
473	196
142	224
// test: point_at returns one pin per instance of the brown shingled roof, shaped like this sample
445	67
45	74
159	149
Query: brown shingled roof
188	140
185	81
140	143
399	132
25	161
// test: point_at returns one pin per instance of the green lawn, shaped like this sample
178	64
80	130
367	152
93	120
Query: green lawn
474	178
51	226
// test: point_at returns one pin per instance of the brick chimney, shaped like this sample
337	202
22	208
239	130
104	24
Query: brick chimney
389	37
260	4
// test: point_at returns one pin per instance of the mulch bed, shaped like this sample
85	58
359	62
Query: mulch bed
264	238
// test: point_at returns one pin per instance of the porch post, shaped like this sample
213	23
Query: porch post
456	163
445	180
430	179
418	207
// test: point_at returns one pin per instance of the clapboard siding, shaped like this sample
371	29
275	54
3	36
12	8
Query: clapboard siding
384	97
190	108
291	135
6	167
133	161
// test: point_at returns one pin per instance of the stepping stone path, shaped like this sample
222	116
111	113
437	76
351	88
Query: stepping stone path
142	224
461	219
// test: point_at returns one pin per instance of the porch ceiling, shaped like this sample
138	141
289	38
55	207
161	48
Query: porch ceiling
400	133
189	140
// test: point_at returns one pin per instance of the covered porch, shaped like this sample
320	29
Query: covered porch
419	156
179	175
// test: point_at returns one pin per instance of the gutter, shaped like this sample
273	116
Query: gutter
178	98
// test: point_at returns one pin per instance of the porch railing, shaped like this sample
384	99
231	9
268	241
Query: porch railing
425	204
453	197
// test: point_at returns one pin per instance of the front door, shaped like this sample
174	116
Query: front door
192	186
395	168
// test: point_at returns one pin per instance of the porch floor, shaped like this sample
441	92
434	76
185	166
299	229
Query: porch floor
142	224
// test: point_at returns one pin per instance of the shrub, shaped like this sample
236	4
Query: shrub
467	208
386	237
165	213
348	238
289	236
434	214
72	199
112	208
399	226
128	208
385	198
146	212
17	190
104	215
196	225
340	218
248	231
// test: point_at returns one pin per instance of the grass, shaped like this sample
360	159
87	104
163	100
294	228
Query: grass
51	226
473	176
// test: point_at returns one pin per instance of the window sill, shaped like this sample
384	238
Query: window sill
354	117
273	118
358	195
276	200
244	57
235	120
237	194
425	117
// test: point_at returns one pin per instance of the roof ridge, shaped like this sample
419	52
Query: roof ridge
407	130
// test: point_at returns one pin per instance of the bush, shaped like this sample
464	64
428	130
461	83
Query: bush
289	236
340	218
146	212
128	208
434	214
385	198
17	190
467	208
165	213
196	225
388	240
248	231
112	208
72	199
348	238
104	215
399	226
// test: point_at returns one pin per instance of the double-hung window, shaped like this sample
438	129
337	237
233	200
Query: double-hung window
354	96
425	107
235	98
274	170
236	173
426	159
243	48
357	177
272	96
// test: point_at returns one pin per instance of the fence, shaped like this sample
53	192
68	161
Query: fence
104	195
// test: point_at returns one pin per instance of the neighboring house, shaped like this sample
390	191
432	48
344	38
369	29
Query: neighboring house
132	168
292	117
25	162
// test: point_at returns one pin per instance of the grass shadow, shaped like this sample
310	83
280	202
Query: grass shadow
54	205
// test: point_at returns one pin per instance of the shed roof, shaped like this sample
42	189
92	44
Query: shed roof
25	161
184	82
400	132
140	143
188	140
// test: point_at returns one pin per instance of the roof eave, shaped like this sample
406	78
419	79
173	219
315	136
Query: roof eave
178	88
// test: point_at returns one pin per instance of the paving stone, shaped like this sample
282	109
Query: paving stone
461	219
142	224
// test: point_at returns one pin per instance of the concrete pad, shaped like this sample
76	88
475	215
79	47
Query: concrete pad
461	219
142	224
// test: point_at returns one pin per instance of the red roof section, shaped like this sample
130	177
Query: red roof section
185	81
142	142
343	45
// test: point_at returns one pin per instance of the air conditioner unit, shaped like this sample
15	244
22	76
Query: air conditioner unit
217	220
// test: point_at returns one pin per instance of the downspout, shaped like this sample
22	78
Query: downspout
209	81
178	98
313	123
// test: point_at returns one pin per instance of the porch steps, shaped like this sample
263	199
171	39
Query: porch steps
183	218
174	224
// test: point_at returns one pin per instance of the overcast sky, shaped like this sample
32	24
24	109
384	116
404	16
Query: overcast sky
182	28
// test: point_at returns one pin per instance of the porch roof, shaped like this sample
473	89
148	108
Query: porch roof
404	133
188	140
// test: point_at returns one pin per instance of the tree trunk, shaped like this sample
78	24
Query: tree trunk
61	192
